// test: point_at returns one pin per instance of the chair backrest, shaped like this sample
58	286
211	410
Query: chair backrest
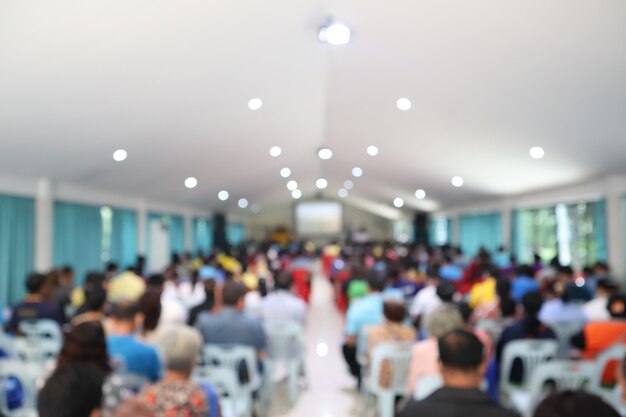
559	375
426	385
224	380
398	356
362	345
284	341
6	343
493	327
564	332
235	357
30	350
15	377
121	386
613	354
41	329
532	353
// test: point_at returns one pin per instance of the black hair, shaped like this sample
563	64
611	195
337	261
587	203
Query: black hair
394	310
156	280
460	349
617	306
465	310
446	290
283	281
124	311
66	270
525	270
232	293
566	270
111	266
72	391
95	299
375	282
532	302
574	404
35	282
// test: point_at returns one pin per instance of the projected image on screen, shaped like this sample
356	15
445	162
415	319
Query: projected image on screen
318	218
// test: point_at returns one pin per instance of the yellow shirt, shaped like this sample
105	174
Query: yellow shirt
125	287
483	293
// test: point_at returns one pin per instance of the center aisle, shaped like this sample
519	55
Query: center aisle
331	391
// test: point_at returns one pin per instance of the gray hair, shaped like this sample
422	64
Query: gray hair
180	347
443	319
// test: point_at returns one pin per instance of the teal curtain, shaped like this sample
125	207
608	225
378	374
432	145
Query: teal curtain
177	234
17	246
599	229
124	238
202	235
235	233
476	231
77	237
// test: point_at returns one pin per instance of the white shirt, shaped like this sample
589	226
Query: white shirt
425	302
595	310
282	305
172	308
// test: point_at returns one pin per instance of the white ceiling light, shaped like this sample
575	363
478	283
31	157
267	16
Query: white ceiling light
347	184
398	202
223	195
457	181
403	104
243	203
120	155
292	185
285	172
372	150
321	183
191	182
255	104
537	152
343	193
420	194
325	153
255	208
296	194
335	33
357	172
275	151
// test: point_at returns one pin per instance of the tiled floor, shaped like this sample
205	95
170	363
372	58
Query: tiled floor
331	391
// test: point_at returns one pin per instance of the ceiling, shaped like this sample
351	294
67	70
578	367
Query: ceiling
169	81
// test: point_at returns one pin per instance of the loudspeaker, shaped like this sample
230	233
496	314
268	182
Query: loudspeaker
421	224
219	231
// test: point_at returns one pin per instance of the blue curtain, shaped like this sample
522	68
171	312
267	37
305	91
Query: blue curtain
202	235
177	234
599	229
124	238
78	238
235	233
476	231
17	246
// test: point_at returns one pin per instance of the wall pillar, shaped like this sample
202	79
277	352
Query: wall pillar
44	217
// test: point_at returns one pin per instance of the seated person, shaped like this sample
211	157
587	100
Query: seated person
462	365
282	304
126	287
34	307
523	282
559	306
596	309
93	307
209	285
122	344
72	391
574	404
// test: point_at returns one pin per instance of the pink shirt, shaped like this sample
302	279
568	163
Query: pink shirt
424	361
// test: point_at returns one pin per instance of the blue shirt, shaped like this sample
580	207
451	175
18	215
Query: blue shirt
231	326
522	285
139	358
451	272
556	311
364	312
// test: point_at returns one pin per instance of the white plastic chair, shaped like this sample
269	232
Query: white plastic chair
16	369
564	332
284	346
532	353
233	398
613	353
232	357
398	355
44	334
555	375
493	328
426	385
6	343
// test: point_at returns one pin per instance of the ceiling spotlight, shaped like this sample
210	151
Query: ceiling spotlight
255	208
403	104
285	172
343	193
275	151
357	172
457	181
334	33
255	104
223	195
537	152
372	150
420	194
325	153
398	202
296	194
243	203
120	155
292	185
321	183
191	182
347	184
